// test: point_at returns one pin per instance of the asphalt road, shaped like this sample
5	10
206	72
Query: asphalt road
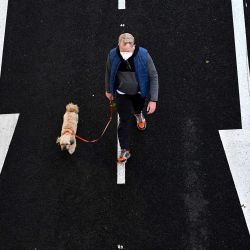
179	192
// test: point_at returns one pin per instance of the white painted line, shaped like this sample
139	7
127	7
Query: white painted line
121	4
120	166
7	121
3	16
236	142
7	127
121	173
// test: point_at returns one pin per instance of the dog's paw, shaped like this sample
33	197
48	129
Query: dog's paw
71	151
58	140
72	148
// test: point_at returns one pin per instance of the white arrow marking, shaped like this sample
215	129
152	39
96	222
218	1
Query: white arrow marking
236	142
120	166
121	4
7	122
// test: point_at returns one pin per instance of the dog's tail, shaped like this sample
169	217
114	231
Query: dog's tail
71	107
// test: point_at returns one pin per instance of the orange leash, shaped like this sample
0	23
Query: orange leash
110	119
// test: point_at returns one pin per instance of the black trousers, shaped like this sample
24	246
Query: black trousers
127	105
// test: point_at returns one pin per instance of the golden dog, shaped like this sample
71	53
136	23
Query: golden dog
67	140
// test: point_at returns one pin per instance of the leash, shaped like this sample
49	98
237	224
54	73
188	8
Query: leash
110	119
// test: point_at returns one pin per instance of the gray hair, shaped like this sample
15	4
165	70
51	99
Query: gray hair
127	38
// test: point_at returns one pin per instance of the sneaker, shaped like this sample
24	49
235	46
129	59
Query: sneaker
124	155
140	121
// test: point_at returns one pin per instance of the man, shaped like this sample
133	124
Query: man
130	78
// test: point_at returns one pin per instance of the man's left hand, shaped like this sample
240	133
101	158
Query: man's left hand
151	107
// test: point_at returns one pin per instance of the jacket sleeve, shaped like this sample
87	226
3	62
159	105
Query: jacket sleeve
153	80
107	75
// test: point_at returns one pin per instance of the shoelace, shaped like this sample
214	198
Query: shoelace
123	152
140	117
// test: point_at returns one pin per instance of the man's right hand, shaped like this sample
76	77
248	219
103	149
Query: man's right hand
109	96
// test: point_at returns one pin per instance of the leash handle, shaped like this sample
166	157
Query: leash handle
110	119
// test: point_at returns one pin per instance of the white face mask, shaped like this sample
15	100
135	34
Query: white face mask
126	55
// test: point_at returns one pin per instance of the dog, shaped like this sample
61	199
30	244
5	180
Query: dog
67	141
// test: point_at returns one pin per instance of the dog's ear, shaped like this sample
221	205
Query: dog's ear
58	140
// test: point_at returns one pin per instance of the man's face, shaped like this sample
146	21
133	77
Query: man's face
126	47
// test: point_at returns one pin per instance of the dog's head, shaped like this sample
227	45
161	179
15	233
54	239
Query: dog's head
65	141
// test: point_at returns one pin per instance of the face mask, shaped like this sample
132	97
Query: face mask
126	55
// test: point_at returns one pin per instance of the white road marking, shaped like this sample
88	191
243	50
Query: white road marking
7	121
3	16
120	166
8	124
121	4
236	142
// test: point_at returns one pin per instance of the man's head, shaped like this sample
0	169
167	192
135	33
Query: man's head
126	42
